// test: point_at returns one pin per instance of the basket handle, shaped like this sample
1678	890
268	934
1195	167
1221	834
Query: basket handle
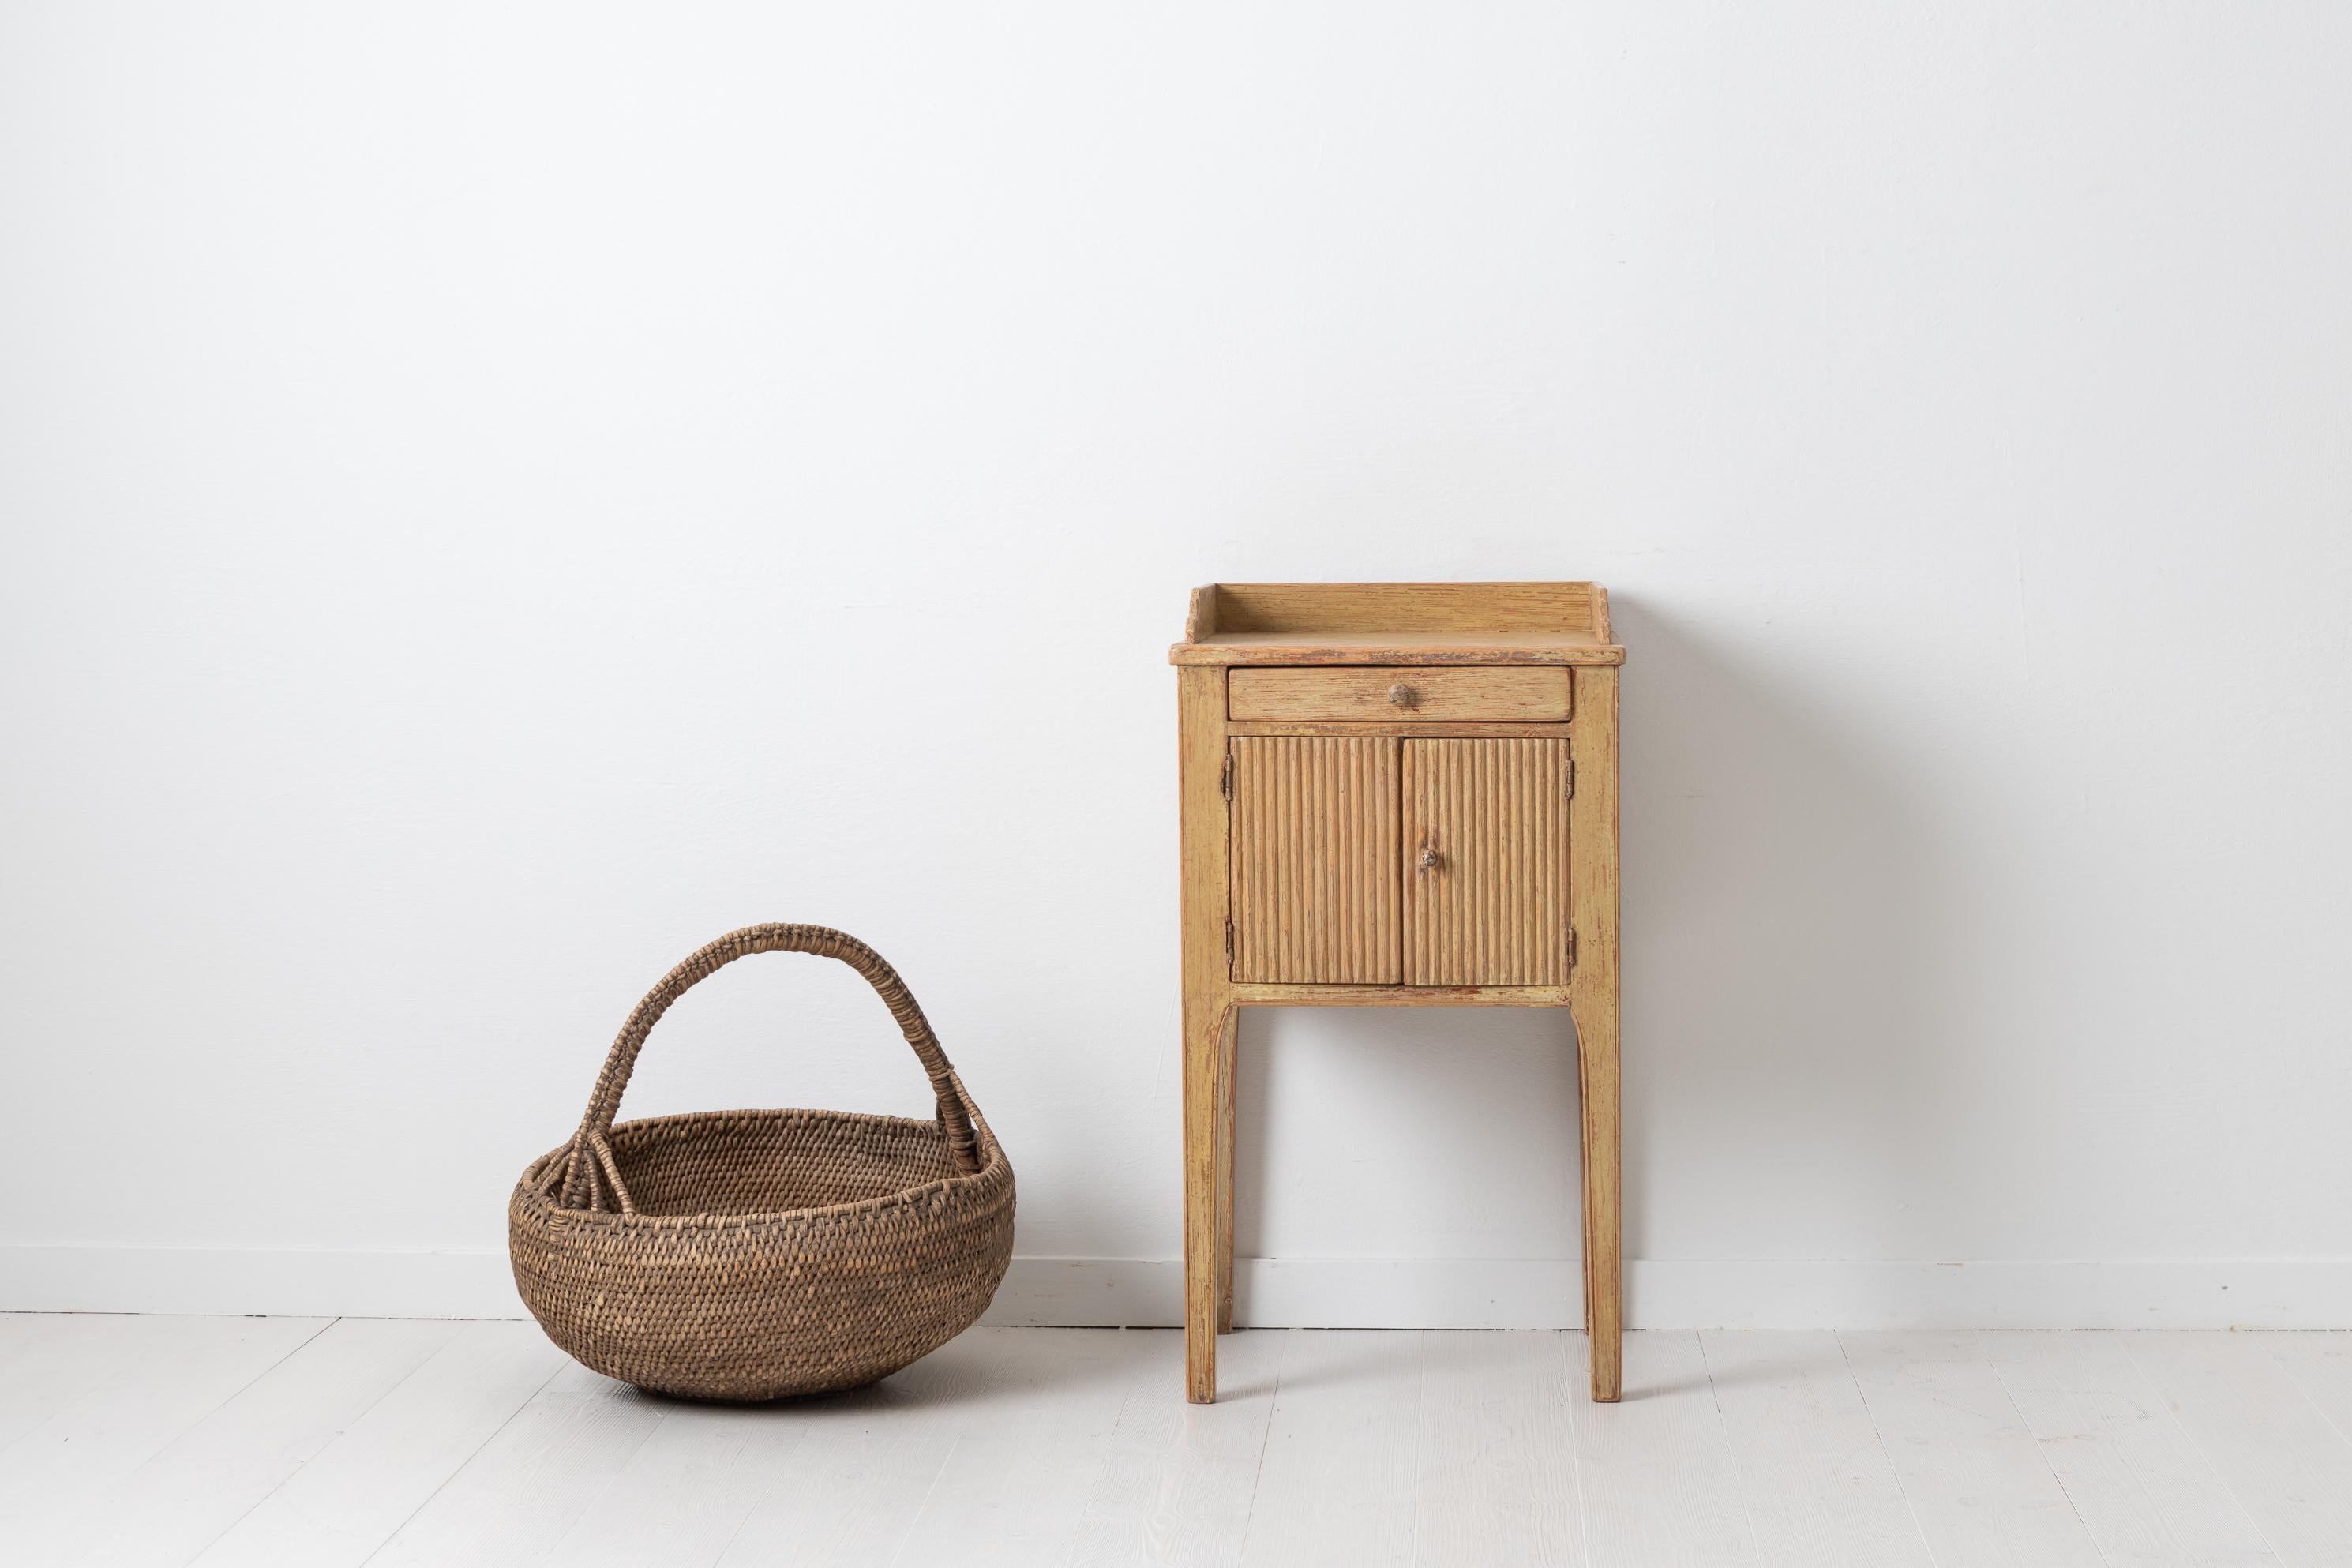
956	1109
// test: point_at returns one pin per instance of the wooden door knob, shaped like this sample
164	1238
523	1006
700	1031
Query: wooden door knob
1404	696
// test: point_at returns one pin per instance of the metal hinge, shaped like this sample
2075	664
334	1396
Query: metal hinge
1572	947
1225	779
1229	943
1571	792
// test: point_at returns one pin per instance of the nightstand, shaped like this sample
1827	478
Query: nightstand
1396	794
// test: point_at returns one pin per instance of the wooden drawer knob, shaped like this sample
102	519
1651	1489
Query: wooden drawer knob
1404	696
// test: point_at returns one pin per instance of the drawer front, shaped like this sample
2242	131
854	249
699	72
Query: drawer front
1525	693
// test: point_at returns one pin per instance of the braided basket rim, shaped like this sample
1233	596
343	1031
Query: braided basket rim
531	1197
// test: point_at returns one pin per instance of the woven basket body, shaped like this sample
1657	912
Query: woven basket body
763	1253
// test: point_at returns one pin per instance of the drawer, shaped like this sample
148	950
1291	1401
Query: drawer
1525	693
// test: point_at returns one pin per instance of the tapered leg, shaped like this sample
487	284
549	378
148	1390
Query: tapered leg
1225	1065
1604	1312
1208	1005
1206	1020
1593	999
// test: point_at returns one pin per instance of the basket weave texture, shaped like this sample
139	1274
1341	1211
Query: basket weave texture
763	1253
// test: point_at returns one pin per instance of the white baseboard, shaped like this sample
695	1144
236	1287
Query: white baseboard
1316	1292
1512	1293
292	1281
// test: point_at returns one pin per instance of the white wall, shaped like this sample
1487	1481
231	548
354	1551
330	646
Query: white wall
496	494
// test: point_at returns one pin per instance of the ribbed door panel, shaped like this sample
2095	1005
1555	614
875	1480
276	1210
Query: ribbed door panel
1491	908
1315	860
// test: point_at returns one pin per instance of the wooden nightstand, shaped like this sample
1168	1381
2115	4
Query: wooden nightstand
1395	794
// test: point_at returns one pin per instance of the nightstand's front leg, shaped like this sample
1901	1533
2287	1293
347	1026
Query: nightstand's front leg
1596	1053
1207	1015
1593	999
1208	1205
1227	1065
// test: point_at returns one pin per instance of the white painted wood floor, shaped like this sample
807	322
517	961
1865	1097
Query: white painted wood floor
313	1443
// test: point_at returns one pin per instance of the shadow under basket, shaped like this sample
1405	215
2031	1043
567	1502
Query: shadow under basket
748	1255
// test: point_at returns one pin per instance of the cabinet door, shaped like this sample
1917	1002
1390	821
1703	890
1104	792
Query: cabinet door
1315	860
1486	845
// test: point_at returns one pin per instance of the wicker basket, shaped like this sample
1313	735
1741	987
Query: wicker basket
760	1253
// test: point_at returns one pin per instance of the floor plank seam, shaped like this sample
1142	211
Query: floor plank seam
224	1405
238	1393
2172	1409
1420	1441
1910	1503
1723	1428
1094	1477
1576	1459
914	1514
2084	1406
2304	1395
455	1470
2041	1449
1264	1438
734	1535
555	1539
